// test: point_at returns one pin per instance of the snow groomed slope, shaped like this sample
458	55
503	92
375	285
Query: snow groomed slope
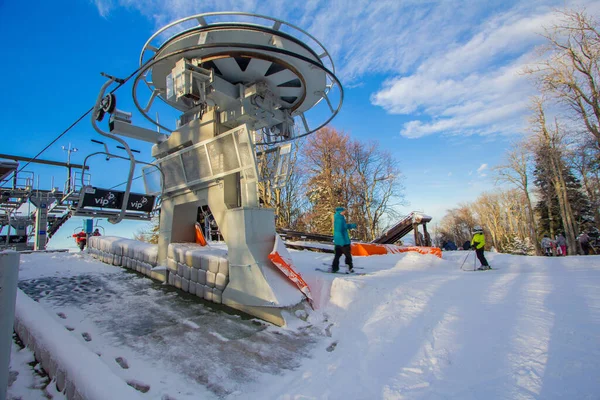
416	327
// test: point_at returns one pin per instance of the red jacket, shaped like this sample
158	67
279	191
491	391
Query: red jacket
80	237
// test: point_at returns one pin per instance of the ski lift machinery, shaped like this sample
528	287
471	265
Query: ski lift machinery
243	83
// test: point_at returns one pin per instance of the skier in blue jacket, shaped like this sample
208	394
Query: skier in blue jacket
341	240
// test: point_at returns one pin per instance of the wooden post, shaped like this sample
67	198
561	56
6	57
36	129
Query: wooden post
416	231
427	236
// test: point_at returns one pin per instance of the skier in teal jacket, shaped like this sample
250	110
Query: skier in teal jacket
341	240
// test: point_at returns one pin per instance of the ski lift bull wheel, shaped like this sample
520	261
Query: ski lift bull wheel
294	65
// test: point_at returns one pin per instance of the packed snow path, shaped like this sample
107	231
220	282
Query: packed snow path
416	327
154	335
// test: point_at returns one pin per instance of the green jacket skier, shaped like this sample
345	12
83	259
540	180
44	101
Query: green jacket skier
478	243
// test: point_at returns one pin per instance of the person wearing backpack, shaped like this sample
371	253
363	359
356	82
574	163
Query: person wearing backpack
547	245
584	241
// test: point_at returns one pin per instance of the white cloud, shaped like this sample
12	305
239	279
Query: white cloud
454	67
364	36
476	88
104	7
475	85
481	168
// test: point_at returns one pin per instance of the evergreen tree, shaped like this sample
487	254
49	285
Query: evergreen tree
516	245
548	207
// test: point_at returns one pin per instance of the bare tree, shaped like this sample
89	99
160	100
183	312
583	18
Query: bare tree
571	70
149	233
502	215
376	182
516	171
282	193
328	170
343	172
458	224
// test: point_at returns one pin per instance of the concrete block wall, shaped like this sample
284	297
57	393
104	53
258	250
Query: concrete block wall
138	256
201	271
198	270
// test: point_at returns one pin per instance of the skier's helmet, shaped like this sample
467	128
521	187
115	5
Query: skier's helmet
477	229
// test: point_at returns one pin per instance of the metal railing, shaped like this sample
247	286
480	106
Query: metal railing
21	181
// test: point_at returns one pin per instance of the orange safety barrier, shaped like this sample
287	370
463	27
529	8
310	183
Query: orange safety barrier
367	249
370	249
200	235
283	261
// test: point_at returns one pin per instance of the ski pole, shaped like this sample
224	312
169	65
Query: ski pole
465	260
474	262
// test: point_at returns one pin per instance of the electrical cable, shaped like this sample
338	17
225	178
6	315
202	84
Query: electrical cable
121	184
121	82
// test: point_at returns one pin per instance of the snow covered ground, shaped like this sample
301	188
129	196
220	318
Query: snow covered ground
414	327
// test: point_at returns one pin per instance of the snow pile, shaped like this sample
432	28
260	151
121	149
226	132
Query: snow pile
73	368
25	381
198	270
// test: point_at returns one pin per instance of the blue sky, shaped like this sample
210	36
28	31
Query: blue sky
437	83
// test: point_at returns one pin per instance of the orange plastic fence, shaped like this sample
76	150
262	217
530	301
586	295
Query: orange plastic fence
200	235
367	249
370	249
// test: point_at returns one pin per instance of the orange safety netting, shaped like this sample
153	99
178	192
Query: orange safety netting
370	249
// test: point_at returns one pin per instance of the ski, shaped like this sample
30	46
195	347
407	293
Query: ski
341	272
329	265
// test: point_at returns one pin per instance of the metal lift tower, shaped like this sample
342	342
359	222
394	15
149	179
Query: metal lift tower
239	80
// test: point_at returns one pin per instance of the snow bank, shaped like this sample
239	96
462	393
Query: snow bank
69	363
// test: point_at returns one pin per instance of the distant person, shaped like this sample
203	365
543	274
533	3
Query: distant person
478	244
547	245
80	239
214	229
449	245
341	240
96	233
584	241
561	243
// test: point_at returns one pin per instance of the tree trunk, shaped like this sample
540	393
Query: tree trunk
564	205
533	231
